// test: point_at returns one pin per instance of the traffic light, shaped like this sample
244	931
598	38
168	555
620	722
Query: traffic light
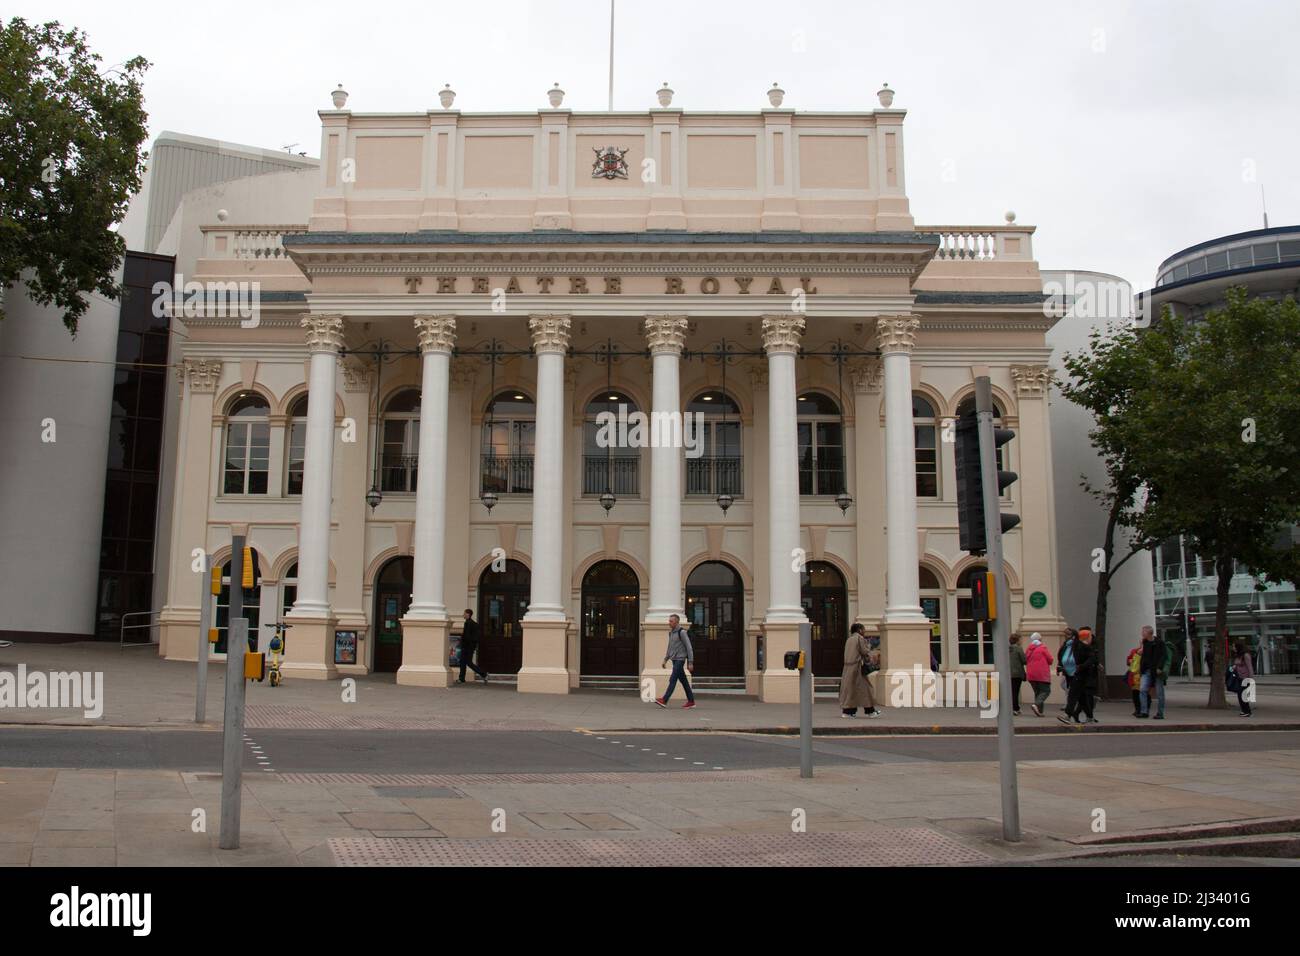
984	597
970	484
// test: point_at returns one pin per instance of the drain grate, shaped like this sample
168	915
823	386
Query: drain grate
874	846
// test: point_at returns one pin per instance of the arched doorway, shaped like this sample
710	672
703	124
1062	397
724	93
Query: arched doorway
392	600
502	603
825	600
611	620
715	606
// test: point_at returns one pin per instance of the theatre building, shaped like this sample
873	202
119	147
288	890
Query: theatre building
415	420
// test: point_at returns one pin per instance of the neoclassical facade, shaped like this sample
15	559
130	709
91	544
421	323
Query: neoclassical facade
413	424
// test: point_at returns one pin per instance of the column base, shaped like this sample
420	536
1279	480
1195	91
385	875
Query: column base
178	635
425	651
654	641
544	670
778	685
309	649
904	647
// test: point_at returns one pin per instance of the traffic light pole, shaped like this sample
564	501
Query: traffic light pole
1002	622
805	701
232	731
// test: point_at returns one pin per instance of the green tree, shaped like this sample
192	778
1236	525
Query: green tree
1104	379
70	159
1213	433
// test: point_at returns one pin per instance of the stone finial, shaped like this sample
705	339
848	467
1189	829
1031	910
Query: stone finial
897	333
555	95
324	332
781	333
666	333
223	215
776	95
550	332
665	95
446	96
437	333
340	97
1009	216
886	96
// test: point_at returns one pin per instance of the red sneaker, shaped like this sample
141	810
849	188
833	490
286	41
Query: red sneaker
688	705
661	702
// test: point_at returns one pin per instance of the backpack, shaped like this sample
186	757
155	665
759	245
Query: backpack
1067	659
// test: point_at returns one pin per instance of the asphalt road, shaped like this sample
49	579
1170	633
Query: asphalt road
405	751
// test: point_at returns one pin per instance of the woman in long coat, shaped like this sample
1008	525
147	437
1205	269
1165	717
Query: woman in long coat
855	692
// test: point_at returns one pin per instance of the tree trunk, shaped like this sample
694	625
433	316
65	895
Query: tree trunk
1218	698
1103	593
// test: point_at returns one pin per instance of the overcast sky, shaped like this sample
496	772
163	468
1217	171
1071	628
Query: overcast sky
1123	131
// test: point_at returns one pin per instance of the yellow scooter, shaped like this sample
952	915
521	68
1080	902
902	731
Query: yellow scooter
277	647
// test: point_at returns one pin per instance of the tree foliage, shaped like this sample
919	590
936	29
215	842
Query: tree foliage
70	159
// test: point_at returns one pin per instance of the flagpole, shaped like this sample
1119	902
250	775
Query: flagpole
611	56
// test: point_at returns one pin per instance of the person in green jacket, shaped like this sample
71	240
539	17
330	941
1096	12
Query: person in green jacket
1017	673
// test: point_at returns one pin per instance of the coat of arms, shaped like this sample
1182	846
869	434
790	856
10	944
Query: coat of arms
610	163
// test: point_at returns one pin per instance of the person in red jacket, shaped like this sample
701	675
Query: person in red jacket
1038	670
1134	678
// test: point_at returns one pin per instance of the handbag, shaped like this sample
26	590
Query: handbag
1231	680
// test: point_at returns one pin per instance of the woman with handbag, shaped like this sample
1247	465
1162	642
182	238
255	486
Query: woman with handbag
1239	671
859	661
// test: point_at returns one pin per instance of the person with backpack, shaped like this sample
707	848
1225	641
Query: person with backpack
1083	685
1241	670
1038	668
1017	673
1155	671
1065	665
682	655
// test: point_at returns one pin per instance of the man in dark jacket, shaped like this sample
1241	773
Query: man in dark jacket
1083	686
1155	671
468	645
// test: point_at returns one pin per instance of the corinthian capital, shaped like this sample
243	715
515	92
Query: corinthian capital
324	332
866	375
781	333
897	333
550	332
202	374
1032	381
666	333
437	333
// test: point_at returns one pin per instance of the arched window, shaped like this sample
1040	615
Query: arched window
821	445
248	446
288	590
295	447
607	456
927	447
932	606
718	469
252	613
400	432
974	638
509	434
967	404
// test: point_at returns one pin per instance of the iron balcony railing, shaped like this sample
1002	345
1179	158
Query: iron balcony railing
398	472
621	473
714	476
507	475
822	475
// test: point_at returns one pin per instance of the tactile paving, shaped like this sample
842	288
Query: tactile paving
873	846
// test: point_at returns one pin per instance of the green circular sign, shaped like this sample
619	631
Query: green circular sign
1038	600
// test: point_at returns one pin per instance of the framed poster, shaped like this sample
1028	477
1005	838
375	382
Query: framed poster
345	647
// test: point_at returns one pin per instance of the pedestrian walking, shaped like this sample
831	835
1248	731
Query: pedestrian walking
468	645
1242	669
1018	664
1083	685
1065	661
682	656
1038	668
1134	677
1155	671
859	661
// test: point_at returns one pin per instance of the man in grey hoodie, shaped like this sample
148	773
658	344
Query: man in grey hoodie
682	655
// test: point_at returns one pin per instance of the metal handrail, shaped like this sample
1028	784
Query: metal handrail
122	644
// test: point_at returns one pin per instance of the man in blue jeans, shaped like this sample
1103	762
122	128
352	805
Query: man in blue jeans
1155	671
682	655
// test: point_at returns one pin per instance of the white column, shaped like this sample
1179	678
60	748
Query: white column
666	335
896	335
437	335
324	339
550	342
781	334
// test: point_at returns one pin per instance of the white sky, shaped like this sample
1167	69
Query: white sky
1123	131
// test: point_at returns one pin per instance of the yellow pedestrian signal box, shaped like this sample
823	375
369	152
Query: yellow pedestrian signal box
794	660
254	665
213	635
249	581
216	579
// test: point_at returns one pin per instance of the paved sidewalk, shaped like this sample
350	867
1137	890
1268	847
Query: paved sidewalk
907	813
140	689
